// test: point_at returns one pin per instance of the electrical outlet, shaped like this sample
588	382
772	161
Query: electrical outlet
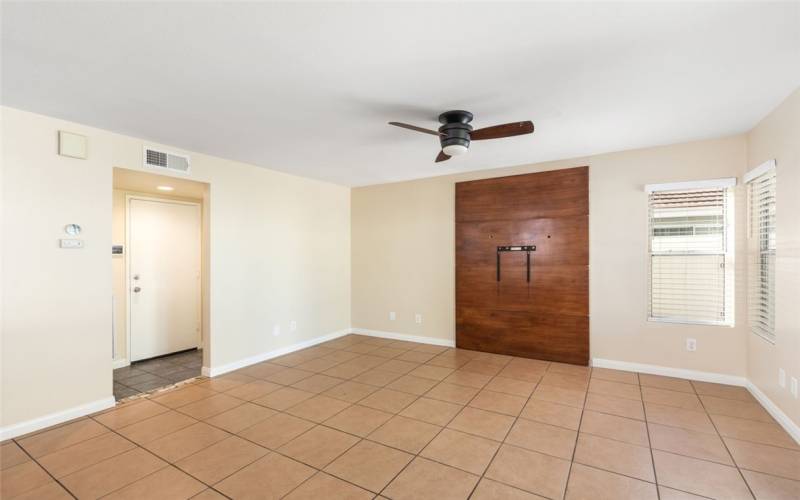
793	387
392	316
691	345
781	377
292	325
276	330
418	318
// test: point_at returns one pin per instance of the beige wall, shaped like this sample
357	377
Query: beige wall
403	240
56	330
778	137
279	251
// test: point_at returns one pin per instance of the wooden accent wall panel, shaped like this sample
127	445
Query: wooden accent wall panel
548	318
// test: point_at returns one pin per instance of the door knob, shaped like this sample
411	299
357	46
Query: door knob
137	289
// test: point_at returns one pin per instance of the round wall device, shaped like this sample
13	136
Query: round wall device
72	229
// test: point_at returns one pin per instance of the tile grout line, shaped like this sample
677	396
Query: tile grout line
503	442
361	438
735	463
174	464
57	481
577	433
649	440
440	431
366	438
271	450
646	422
380	493
136	445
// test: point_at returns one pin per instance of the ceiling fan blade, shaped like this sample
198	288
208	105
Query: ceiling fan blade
500	131
442	157
414	127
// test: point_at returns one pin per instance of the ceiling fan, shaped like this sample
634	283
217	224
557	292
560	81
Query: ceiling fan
456	133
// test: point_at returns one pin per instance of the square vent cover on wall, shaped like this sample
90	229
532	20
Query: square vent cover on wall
163	159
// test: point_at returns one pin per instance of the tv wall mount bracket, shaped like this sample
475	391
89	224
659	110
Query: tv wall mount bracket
518	248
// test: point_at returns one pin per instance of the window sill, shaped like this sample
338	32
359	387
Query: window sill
690	322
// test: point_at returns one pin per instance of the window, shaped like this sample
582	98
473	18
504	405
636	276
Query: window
761	250
691	252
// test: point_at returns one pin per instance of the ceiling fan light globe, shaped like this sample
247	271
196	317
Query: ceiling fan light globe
455	149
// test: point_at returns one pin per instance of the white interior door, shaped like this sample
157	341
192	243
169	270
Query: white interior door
164	277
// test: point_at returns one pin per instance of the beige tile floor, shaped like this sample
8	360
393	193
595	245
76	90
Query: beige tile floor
362	417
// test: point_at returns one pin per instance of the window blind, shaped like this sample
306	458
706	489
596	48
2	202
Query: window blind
761	252
689	233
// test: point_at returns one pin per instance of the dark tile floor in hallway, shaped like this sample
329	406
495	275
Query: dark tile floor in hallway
150	374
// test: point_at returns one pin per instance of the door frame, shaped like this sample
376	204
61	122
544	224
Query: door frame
128	197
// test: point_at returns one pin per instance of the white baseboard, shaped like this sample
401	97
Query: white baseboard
403	336
719	378
792	428
56	418
214	371
265	356
119	363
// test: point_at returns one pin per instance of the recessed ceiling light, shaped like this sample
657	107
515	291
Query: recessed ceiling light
165	188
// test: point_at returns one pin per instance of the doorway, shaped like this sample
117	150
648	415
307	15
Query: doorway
159	234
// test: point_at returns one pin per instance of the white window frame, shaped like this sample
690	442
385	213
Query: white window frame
728	184
755	257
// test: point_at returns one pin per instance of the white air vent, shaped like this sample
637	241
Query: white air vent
164	159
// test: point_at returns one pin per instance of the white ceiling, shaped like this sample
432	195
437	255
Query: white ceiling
308	88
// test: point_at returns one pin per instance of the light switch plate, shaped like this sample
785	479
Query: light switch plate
793	387
72	145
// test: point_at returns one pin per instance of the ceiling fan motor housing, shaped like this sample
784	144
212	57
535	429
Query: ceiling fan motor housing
456	127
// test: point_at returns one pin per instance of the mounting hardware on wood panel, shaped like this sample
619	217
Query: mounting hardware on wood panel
520	248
